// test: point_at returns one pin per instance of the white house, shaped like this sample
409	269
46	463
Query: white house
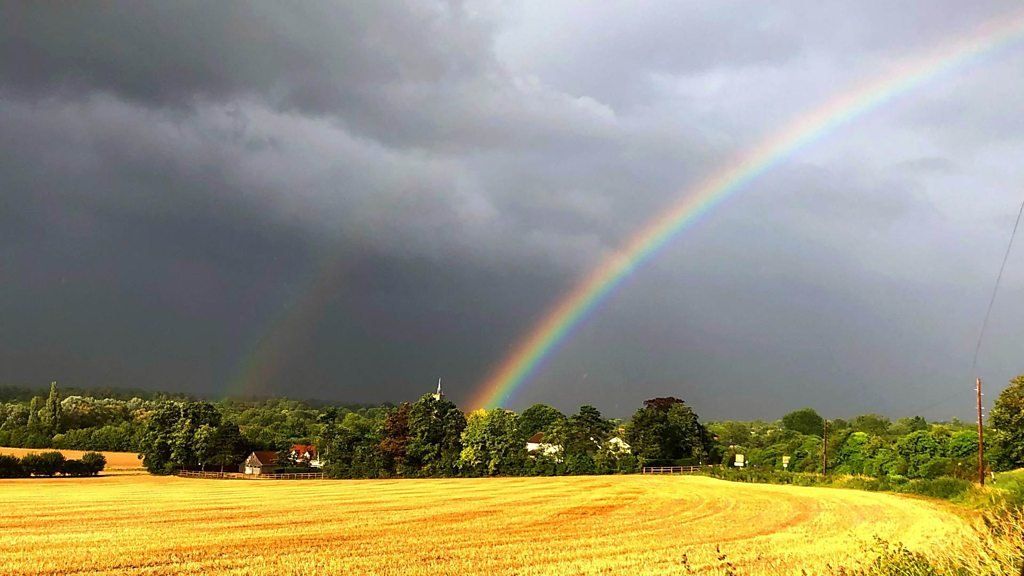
536	443
618	445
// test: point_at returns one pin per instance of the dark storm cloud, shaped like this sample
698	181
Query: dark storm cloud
367	196
312	56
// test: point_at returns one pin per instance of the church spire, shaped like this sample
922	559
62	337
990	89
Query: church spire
438	395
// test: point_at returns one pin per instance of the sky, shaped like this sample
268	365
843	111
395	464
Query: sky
347	200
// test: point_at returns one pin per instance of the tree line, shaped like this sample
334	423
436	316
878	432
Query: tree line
90	419
433	437
873	445
50	464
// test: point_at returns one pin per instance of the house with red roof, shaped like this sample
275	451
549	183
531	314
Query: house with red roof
305	454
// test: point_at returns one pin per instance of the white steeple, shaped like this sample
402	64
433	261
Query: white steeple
438	395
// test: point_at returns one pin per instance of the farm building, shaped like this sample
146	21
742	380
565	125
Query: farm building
260	462
306	454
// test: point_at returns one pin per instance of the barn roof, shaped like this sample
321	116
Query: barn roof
536	438
264	457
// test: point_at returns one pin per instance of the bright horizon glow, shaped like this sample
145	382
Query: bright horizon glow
567	313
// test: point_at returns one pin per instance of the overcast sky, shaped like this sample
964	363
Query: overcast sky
348	200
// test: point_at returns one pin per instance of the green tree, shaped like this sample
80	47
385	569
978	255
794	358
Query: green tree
731	433
666	430
435	435
18	416
852	454
50	416
221	445
34	408
394	444
806	451
905	426
230	446
539	418
963	444
169	438
204	444
1007	417
805	421
583	432
872	424
193	417
918	449
492	443
354	451
580	464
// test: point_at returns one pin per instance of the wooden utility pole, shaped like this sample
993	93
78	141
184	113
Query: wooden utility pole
824	446
981	440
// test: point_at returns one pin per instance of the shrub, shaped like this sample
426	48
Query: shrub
579	465
44	464
945	488
541	465
76	468
95	462
896	479
10	467
864	483
938	467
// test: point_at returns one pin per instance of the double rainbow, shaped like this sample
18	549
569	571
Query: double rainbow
567	313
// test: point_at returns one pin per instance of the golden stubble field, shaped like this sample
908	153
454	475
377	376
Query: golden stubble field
139	524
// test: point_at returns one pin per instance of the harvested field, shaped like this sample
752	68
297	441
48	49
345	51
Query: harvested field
568	525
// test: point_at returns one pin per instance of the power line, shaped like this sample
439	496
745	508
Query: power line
988	314
995	289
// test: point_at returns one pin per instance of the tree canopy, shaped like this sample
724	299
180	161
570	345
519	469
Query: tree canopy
539	418
667	430
805	421
1007	417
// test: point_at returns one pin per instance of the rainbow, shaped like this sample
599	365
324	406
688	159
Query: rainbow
558	323
267	356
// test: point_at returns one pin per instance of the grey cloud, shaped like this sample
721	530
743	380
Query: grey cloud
305	55
367	196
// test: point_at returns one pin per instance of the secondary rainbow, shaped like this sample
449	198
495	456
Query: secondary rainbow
568	312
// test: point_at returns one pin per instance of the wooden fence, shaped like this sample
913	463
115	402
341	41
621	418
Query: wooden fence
669	469
240	476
